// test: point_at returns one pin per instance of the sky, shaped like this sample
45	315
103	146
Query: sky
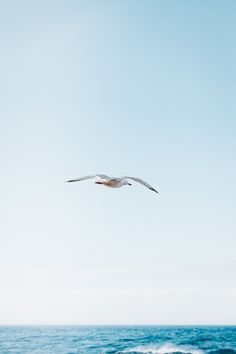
119	87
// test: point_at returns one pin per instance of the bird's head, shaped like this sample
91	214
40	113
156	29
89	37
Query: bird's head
127	183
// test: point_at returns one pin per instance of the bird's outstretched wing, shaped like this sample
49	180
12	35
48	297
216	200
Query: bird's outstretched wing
88	177
142	182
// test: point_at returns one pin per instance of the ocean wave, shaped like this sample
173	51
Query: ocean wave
223	351
163	349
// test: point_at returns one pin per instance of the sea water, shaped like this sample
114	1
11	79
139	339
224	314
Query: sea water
117	339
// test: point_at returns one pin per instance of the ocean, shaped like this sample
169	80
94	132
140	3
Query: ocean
117	339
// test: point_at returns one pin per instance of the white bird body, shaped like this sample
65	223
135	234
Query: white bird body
113	182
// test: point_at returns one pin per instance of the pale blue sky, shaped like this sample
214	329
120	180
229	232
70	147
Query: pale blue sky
142	88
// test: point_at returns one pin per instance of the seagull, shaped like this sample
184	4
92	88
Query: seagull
113	182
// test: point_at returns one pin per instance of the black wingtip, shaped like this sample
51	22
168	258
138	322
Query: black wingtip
154	190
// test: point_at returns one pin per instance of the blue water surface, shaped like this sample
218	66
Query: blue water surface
117	339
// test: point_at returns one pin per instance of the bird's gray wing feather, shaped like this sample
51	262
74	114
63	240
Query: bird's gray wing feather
142	182
88	177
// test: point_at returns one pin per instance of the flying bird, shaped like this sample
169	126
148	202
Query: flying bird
113	182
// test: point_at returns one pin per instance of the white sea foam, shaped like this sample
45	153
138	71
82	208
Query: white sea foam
163	349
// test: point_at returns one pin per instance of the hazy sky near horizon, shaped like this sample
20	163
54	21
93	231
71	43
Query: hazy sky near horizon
142	88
